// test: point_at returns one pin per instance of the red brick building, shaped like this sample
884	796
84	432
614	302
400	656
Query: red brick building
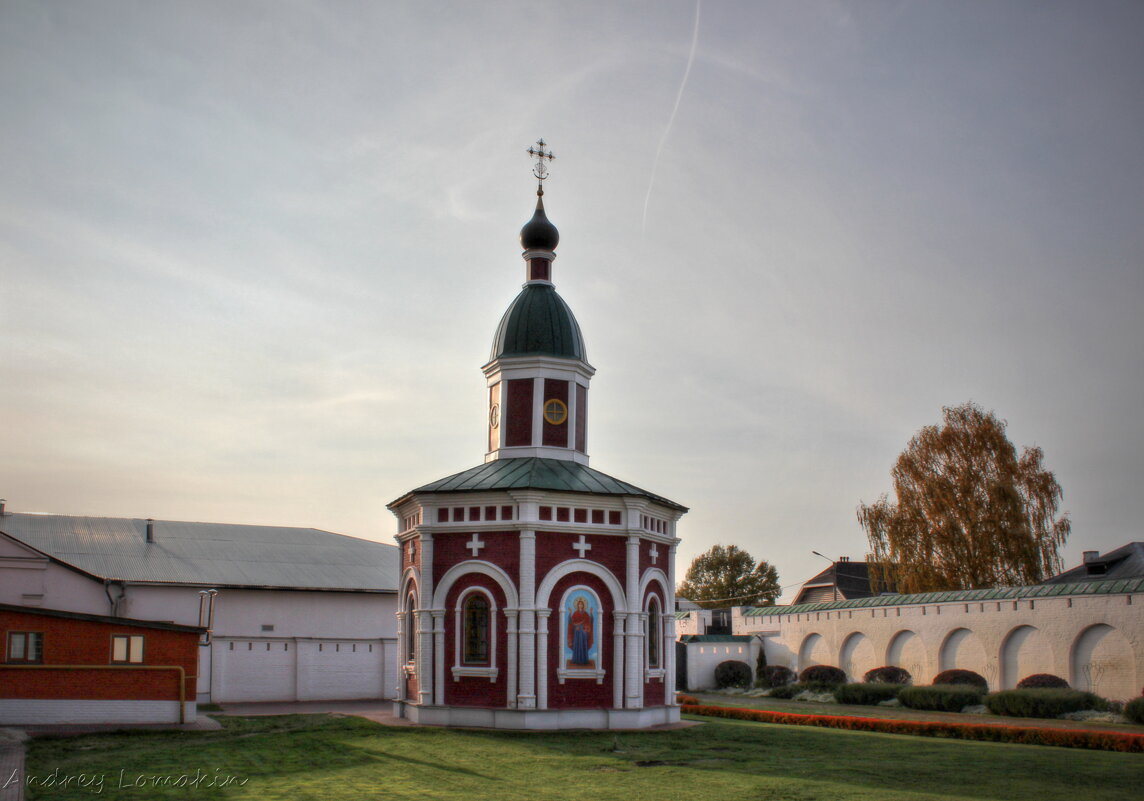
536	592
68	667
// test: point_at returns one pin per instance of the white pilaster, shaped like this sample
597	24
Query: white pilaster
542	658
537	412
439	656
669	629
633	639
618	618
425	656
527	695
512	660
399	690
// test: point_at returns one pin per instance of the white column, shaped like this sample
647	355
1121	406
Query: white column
424	623
399	690
669	629
618	658
537	412
633	640
439	660
542	658
526	699
511	688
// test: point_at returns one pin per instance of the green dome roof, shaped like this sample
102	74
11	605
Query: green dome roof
539	323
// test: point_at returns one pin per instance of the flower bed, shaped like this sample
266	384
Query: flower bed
1025	735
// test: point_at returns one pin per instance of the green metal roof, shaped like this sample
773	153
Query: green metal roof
536	473
991	594
539	323
716	638
209	554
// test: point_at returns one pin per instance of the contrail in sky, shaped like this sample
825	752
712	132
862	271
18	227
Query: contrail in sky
671	119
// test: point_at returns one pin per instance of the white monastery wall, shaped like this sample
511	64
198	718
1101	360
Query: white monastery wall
1095	642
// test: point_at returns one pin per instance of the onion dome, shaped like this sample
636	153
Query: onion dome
538	233
538	323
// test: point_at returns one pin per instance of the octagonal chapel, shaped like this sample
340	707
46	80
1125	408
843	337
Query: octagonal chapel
537	592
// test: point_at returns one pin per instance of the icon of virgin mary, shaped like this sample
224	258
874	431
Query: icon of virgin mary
580	635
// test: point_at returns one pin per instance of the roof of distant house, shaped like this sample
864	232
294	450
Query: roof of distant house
208	554
852	580
1124	562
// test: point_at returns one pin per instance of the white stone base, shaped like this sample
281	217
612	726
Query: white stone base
42	711
536	719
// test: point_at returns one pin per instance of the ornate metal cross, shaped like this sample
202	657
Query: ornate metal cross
541	155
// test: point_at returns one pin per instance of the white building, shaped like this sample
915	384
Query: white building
299	614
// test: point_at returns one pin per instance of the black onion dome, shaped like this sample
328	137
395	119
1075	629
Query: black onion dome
539	233
539	323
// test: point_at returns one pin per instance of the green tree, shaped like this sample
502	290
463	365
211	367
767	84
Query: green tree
969	513
729	576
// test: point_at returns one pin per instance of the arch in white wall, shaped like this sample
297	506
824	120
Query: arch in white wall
441	592
962	649
580	566
1024	651
857	656
906	651
1101	661
813	651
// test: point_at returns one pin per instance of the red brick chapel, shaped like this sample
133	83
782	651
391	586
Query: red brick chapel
535	591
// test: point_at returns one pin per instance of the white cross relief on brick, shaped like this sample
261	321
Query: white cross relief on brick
475	545
581	546
654	553
412	550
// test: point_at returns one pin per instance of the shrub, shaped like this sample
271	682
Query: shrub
681	698
786	691
866	693
958	676
1042	681
888	674
732	673
1134	710
1042	703
775	676
820	675
941	697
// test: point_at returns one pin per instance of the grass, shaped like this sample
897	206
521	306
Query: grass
330	758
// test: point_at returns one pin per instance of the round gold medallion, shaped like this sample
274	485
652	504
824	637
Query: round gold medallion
555	411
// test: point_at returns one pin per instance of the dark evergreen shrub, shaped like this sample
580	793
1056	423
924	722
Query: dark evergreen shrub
823	675
776	676
958	676
941	697
888	674
1042	703
1042	681
732	673
866	693
1134	710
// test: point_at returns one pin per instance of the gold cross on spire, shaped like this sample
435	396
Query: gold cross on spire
541	155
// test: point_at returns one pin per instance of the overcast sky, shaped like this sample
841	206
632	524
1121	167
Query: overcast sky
252	254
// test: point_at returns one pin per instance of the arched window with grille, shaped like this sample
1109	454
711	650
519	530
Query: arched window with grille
475	630
654	634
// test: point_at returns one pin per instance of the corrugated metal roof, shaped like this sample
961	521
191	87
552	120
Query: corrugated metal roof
209	554
991	594
536	473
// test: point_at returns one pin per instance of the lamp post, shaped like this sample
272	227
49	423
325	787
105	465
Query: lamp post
834	573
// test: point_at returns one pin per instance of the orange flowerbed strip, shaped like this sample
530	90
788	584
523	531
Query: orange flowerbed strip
1025	735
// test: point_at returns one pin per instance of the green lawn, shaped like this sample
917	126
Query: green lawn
330	759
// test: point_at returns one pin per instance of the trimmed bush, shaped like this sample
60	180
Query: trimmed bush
941	697
958	676
732	673
823	675
775	676
888	674
1042	681
1042	703
866	693
1134	710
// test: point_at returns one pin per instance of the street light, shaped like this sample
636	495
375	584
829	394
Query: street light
834	572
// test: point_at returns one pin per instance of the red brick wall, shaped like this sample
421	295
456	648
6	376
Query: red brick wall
83	642
502	548
552	549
